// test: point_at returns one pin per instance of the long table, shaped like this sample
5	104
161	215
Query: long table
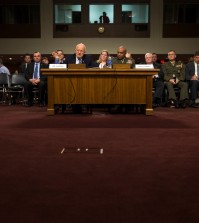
99	86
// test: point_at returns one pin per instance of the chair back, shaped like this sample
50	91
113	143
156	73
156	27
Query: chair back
4	79
18	79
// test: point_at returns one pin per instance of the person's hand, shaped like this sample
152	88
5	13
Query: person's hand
194	77
172	81
54	54
34	81
128	55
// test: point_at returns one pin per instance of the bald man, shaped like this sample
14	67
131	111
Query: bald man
80	56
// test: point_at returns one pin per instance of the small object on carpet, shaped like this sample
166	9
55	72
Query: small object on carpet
82	150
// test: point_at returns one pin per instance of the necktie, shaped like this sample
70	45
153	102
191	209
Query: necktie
79	60
36	71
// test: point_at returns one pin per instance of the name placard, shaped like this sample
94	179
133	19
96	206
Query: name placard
57	66
144	66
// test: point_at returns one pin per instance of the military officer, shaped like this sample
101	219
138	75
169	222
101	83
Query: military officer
174	76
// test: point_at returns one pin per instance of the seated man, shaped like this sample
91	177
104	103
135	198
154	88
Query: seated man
123	57
80	57
158	80
35	79
23	66
174	75
59	57
192	75
3	69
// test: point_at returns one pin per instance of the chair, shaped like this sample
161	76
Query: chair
4	83
15	91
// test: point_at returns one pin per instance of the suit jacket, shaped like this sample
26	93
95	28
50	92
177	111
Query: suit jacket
189	70
86	59
30	70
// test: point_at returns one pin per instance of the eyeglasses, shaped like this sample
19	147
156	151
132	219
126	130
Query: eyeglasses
171	54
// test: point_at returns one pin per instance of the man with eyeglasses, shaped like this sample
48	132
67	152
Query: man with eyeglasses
80	57
158	80
174	76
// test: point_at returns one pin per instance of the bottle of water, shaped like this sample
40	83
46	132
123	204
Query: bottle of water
109	62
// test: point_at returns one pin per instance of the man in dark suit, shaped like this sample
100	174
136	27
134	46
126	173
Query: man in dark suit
158	80
59	57
35	79
192	76
27	60
80	56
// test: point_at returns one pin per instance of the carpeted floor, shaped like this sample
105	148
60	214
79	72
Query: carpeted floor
52	168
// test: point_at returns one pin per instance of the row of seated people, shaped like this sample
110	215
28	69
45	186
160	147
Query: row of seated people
172	74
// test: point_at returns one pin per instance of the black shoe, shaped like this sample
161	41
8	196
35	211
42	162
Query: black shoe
155	105
41	105
127	109
77	109
29	104
171	103
182	104
194	105
119	109
177	105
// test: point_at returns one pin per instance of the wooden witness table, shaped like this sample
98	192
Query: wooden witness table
99	86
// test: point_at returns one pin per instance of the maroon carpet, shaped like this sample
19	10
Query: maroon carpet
148	172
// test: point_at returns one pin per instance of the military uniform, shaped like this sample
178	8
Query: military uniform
124	60
175	71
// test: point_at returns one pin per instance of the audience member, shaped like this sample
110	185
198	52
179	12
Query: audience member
158	80
59	57
103	58
35	79
155	58
45	60
3	69
192	76
174	76
27	60
104	18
